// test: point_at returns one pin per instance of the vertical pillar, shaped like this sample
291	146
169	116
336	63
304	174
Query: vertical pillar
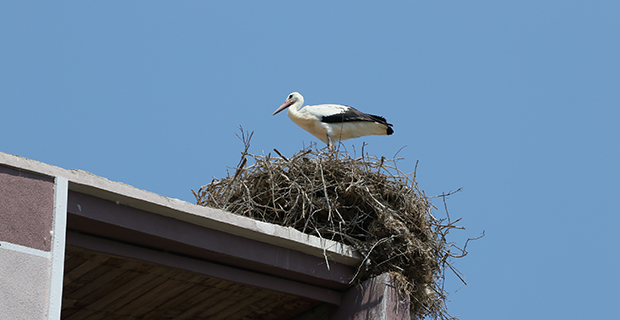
29	243
376	299
59	237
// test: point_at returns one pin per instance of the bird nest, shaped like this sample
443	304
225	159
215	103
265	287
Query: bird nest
365	202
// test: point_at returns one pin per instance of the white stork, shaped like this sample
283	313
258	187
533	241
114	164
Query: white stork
333	121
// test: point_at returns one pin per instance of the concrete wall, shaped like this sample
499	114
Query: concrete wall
29	251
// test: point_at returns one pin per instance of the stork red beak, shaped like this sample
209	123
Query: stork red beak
285	105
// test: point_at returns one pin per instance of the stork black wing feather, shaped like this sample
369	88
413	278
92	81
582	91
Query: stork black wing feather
352	114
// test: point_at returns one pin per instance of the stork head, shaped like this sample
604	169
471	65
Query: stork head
293	98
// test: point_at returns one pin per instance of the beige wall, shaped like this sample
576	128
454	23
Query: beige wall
23	285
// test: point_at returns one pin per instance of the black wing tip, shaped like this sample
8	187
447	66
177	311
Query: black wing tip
383	121
388	125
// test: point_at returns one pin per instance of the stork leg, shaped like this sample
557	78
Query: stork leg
329	143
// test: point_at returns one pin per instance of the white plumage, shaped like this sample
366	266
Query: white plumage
333	121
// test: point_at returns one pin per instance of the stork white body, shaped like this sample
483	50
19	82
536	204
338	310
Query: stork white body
330	122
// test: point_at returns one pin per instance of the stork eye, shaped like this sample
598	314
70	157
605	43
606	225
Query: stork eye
290	97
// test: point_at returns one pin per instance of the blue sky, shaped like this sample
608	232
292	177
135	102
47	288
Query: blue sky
515	102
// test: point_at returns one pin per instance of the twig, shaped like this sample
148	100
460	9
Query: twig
278	152
324	247
366	257
329	217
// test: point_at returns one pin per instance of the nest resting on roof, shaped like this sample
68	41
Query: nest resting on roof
364	202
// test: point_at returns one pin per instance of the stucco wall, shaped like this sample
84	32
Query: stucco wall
26	221
23	285
26	208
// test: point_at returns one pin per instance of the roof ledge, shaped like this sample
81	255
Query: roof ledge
88	183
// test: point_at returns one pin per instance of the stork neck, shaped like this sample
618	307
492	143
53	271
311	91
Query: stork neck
294	108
